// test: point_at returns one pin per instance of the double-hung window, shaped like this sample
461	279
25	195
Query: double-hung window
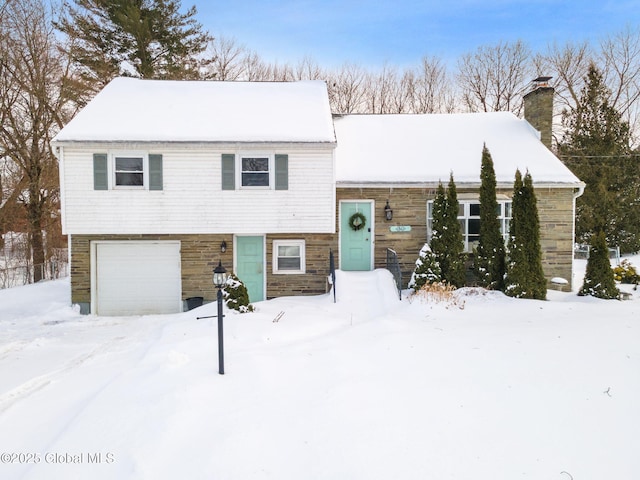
129	171
469	219
288	256
255	171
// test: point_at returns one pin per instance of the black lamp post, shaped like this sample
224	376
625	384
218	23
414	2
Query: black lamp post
219	279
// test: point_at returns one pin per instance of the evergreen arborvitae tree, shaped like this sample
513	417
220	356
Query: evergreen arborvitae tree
446	239
596	147
490	256
150	39
438	242
532	238
525	277
427	269
598	280
456	274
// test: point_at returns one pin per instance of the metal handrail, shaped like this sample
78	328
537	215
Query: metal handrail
393	265
332	272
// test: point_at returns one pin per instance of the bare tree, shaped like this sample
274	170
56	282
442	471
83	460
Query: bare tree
568	65
620	54
308	69
383	94
226	59
494	77
347	89
431	90
33	82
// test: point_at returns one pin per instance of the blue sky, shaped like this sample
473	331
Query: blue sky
401	32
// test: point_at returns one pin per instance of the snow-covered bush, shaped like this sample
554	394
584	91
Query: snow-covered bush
427	269
236	295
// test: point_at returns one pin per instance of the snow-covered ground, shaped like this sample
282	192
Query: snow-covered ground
368	388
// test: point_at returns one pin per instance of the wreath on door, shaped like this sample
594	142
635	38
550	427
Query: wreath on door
357	221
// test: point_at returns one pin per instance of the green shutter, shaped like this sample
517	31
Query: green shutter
155	171
228	171
282	172
100	172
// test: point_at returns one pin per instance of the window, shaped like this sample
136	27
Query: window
469	218
255	171
251	170
288	256
129	171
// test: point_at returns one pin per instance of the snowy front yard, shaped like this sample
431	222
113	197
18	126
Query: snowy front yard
369	388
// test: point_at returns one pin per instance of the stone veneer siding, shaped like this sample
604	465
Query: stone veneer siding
314	280
199	256
555	209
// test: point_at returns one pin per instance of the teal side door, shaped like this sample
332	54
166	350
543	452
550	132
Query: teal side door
250	265
355	245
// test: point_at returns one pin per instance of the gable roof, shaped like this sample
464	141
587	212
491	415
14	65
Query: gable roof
130	109
424	149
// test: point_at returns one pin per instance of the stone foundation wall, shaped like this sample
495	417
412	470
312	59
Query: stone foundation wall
314	280
199	256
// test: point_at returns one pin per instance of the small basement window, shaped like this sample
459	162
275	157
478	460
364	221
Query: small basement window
289	256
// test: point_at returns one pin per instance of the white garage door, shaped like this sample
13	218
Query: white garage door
137	278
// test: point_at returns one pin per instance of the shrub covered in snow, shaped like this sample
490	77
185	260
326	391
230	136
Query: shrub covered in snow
598	279
236	295
427	269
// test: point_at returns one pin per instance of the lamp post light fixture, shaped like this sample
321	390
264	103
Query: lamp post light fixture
388	212
219	279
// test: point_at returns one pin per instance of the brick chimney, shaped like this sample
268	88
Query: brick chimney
538	108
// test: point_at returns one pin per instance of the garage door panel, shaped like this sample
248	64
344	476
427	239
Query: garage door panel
138	278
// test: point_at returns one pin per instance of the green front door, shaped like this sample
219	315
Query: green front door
355	245
250	265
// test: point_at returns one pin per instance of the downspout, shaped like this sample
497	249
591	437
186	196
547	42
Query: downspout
577	193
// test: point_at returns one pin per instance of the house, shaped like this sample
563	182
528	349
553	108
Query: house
402	172
161	180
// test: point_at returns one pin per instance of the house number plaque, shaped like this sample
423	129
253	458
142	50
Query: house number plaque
400	228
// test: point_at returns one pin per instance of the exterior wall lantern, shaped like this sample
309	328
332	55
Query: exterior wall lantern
223	247
388	212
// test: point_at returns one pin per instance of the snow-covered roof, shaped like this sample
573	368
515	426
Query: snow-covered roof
130	109
408	148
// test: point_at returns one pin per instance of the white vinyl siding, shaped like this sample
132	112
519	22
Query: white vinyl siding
192	199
